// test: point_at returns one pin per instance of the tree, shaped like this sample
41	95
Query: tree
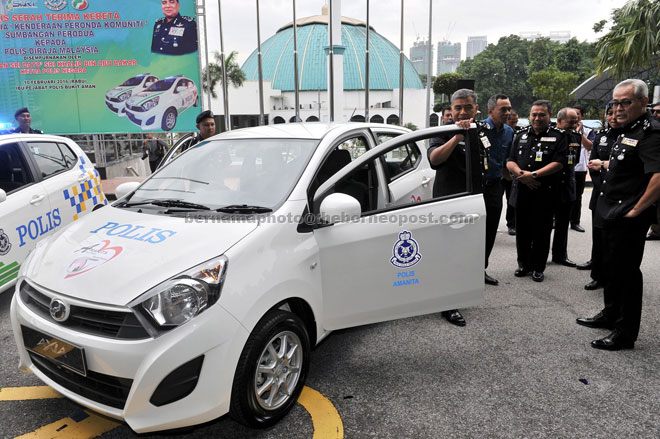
633	41
446	83
541	55
235	75
554	85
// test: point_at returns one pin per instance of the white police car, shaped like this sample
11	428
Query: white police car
202	290
46	182
115	99
161	103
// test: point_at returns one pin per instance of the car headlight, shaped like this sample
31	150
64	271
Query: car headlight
184	296
151	103
122	97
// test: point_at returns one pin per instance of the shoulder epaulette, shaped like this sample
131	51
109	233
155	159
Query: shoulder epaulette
189	19
160	20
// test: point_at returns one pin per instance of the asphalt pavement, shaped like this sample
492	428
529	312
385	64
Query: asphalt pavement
521	367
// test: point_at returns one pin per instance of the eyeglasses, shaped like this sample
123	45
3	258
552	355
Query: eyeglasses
625	103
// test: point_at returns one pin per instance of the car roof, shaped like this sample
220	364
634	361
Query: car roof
27	137
302	130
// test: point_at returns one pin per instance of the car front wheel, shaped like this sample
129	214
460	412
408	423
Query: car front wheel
271	371
169	119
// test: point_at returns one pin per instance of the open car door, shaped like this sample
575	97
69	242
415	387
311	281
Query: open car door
403	260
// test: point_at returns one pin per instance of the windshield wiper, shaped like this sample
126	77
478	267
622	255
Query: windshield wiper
169	203
244	208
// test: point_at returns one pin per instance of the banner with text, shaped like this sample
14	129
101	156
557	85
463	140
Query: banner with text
93	66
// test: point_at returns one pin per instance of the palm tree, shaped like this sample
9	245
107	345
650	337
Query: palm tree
235	75
633	42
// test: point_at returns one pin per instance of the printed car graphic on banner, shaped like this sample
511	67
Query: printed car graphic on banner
162	103
115	99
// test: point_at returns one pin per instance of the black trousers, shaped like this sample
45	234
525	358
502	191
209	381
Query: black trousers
493	191
623	245
510	210
562	213
597	263
576	208
533	227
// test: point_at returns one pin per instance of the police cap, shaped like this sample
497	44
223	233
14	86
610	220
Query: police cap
21	111
204	115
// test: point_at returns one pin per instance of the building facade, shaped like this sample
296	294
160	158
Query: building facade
475	45
449	57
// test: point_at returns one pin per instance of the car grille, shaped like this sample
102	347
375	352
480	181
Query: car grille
112	99
101	322
104	389
135	108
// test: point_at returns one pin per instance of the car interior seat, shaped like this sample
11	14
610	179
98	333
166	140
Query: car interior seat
337	160
7	181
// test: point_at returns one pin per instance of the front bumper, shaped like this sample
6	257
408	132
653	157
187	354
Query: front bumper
116	107
141	365
146	120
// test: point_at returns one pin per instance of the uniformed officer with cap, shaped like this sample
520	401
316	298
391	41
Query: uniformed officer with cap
537	155
625	210
598	158
205	125
567	120
174	34
24	119
447	155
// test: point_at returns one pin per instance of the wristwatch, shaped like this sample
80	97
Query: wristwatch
534	175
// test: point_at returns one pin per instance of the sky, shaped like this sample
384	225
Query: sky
454	21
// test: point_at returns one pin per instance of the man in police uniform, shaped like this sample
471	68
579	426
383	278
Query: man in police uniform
537	155
587	136
654	231
625	210
447	155
600	154
498	141
205	125
174	34
24	120
512	121
567	120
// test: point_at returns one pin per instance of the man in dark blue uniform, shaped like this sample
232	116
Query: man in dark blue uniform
537	155
498	141
174	34
24	120
625	210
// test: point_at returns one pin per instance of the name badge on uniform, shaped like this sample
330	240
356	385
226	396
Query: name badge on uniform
486	163
539	156
485	142
177	31
570	159
548	139
629	142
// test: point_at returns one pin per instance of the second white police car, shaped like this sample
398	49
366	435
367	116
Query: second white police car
202	291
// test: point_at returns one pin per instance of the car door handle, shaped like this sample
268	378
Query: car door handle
82	177
37	198
425	181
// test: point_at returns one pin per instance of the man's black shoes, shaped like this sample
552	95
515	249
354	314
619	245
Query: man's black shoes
565	262
512	231
597	321
454	317
537	276
613	342
577	228
593	285
490	280
586	266
521	272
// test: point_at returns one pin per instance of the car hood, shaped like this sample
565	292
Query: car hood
139	98
118	90
114	255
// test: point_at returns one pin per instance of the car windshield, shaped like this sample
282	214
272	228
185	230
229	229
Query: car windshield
162	85
220	173
133	81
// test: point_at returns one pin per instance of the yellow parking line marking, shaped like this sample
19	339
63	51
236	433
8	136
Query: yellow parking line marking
67	428
326	419
25	393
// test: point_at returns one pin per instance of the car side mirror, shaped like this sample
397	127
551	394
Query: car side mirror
339	208
126	188
3	195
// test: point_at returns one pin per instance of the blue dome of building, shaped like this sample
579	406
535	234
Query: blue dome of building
277	58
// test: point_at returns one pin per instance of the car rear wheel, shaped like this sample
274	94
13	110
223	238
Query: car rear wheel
169	119
271	371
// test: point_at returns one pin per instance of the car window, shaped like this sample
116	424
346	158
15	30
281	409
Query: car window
14	171
401	160
51	157
259	172
362	185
